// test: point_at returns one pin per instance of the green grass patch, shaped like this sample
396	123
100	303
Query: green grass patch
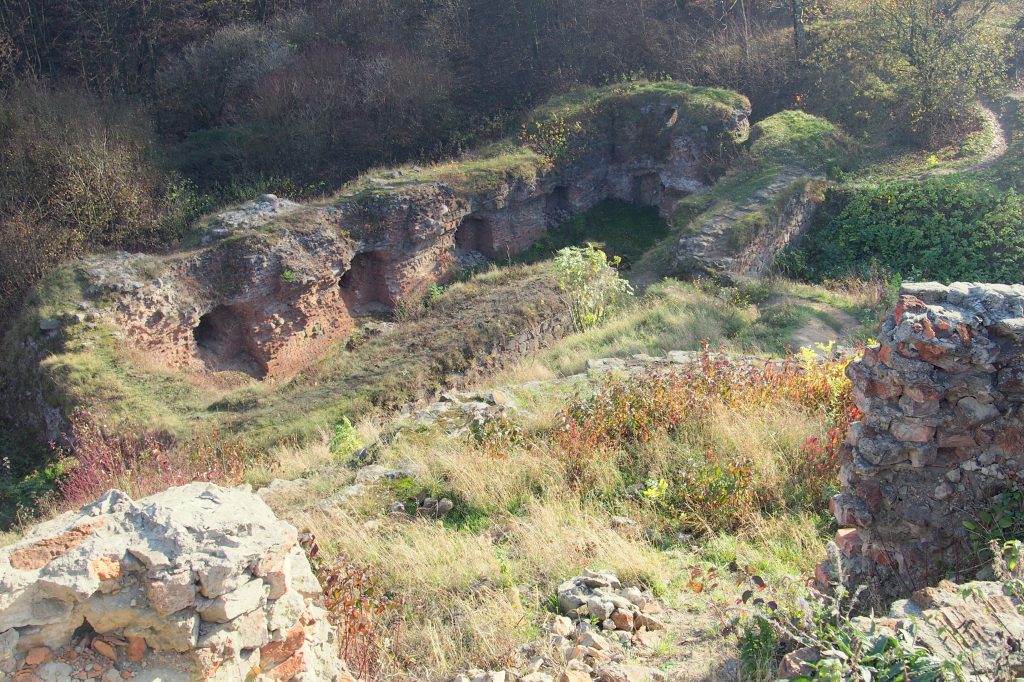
617	227
674	315
798	138
789	545
702	104
481	171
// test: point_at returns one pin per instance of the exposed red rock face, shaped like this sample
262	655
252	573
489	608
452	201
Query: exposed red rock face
276	284
940	436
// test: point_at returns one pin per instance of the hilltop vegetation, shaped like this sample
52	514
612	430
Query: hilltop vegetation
682	428
120	142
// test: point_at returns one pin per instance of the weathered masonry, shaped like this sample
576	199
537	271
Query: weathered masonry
942	434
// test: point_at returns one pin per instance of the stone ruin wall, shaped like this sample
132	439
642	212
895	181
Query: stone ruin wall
277	283
942	433
791	221
194	583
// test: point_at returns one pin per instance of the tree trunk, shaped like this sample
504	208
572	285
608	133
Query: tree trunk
746	32
799	29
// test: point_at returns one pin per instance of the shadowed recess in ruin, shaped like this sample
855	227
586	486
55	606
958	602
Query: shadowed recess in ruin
558	204
223	342
364	286
475	234
647	189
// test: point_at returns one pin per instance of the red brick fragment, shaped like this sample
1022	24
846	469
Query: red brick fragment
279	651
848	541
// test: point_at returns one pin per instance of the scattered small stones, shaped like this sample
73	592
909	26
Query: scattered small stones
457	413
577	651
482	676
435	509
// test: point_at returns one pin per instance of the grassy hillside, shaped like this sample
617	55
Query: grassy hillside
729	487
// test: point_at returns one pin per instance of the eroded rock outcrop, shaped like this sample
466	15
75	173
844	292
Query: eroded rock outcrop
197	582
942	434
271	288
273	284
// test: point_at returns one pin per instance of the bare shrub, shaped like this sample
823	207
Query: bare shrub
368	619
211	83
77	173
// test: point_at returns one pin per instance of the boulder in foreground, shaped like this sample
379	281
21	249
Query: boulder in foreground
197	582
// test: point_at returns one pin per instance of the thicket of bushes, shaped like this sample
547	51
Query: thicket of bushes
120	121
938	229
77	174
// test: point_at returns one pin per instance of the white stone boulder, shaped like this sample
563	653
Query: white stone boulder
207	576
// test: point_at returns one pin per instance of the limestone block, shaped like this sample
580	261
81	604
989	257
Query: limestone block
172	592
143	572
249	597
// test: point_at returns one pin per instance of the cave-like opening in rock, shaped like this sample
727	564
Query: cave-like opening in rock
364	285
224	342
647	189
618	227
475	234
558	204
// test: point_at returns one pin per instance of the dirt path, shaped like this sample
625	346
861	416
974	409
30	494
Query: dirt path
997	148
835	324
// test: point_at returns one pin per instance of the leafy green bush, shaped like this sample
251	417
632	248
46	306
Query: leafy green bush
591	284
913	67
832	644
344	439
707	494
1002	522
938	229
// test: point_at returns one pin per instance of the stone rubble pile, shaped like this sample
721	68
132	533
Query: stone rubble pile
942	433
600	597
982	630
577	650
197	582
457	412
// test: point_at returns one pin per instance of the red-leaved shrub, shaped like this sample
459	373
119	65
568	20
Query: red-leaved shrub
714	491
101	458
369	621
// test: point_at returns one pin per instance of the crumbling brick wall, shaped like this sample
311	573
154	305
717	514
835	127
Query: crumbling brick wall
942	433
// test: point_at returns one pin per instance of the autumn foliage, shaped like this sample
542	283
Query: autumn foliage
100	458
715	488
